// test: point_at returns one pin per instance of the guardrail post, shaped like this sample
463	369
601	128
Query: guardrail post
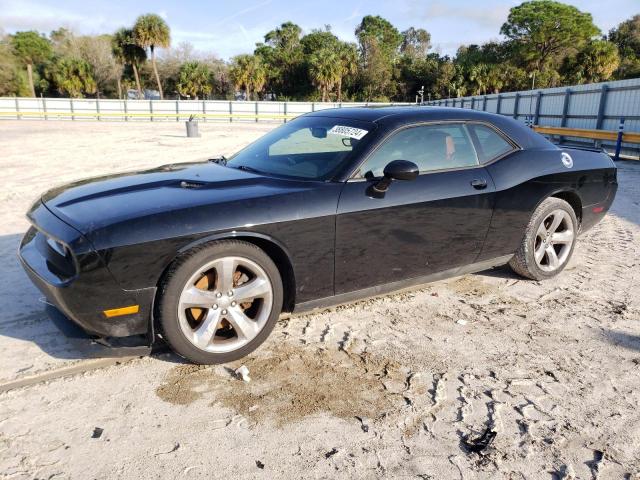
204	111
498	104
484	103
619	140
473	102
44	108
313	106
256	112
230	111
602	103
177	110
565	107
72	110
285	110
151	110
98	108
126	110
516	104
18	109
536	116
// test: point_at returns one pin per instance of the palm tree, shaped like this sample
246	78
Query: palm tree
73	77
195	78
127	52
348	64
479	74
248	72
325	70
151	31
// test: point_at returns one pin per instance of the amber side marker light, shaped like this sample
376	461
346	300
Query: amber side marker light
117	312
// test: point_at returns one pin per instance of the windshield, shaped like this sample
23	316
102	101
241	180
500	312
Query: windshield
308	147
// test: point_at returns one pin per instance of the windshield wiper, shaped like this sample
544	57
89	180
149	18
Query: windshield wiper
248	169
221	160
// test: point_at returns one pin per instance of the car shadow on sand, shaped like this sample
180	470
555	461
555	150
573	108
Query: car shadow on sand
623	339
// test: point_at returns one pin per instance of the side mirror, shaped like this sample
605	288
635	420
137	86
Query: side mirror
401	170
395	170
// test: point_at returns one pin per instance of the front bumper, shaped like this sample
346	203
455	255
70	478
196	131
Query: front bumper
79	284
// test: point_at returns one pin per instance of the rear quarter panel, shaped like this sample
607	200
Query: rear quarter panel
524	179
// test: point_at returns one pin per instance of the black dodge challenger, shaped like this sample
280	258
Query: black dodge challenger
333	206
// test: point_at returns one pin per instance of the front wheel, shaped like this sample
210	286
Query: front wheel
548	242
218	303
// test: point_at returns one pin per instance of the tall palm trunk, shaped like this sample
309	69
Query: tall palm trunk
119	82
340	90
30	75
155	71
135	74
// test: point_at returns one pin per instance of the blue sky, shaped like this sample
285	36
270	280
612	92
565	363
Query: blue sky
227	28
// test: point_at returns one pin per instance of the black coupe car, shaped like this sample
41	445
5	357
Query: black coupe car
333	206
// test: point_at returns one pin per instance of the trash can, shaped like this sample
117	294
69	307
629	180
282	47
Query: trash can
192	128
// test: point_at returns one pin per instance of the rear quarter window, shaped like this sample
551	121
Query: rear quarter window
490	144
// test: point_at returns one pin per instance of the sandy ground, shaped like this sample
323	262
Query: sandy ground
390	387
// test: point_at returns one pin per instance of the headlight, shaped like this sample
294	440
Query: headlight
57	246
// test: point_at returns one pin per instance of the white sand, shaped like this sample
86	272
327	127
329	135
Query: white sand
552	367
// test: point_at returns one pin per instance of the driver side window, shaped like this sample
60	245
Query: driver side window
431	147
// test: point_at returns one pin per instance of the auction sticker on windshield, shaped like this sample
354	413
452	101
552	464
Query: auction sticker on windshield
345	131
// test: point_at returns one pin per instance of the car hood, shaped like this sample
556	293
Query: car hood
96	203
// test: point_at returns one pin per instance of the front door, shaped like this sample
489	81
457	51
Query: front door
433	223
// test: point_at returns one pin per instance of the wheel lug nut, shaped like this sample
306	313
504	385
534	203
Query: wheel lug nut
215	306
218	294
224	312
233	304
230	293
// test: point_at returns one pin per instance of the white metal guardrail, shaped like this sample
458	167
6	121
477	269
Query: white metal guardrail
160	110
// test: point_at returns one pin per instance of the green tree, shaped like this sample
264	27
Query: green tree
195	79
325	71
347	64
248	72
31	48
416	42
479	76
380	32
127	52
73	77
543	30
596	62
282	55
379	42
626	37
151	31
13	80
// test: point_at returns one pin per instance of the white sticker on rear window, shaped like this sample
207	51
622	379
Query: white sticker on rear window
345	131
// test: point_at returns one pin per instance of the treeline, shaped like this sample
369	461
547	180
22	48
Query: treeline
544	40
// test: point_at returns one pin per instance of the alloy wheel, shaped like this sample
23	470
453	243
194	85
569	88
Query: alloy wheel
225	304
554	240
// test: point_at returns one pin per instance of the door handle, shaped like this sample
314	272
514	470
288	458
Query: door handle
479	183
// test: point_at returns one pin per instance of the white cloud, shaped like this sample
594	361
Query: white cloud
34	15
487	15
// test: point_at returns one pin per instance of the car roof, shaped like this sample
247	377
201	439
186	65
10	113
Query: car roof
395	116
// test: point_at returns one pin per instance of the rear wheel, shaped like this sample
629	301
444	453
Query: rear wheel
549	241
220	302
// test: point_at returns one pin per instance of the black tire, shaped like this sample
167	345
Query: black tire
178	275
523	262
